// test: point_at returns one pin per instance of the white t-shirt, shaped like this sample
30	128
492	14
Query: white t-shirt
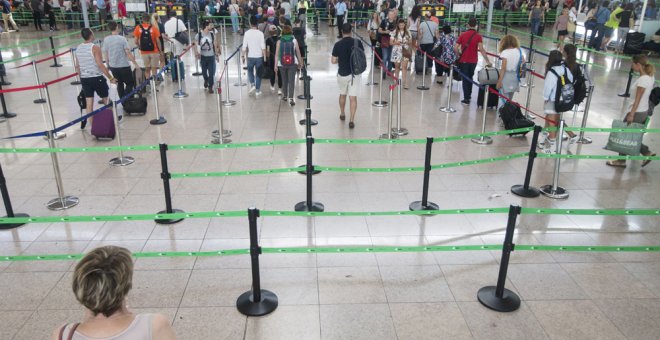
647	83
512	56
254	42
171	31
287	8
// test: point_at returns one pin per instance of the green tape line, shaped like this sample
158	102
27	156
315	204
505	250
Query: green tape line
384	213
339	250
85	149
607	157
611	130
368	141
608	212
234	145
114	218
235	173
477	135
342	169
480	161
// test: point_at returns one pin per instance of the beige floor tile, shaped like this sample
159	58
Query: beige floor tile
543	282
466	280
12	321
286	322
578	319
415	284
209	323
429	321
350	285
606	280
149	292
488	324
362	321
216	288
635	318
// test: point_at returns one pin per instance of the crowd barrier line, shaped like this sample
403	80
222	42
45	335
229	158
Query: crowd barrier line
49	50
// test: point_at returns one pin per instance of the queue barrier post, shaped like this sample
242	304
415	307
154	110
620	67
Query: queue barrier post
388	133
530	86
196	73
373	67
399	131
525	190
497	297
227	101
218	136
62	201
52	49
554	190
7	202
2	73
165	175
5	113
308	204
531	46
50	121
257	301
423	87
306	95
308	121
75	67
315	28
380	102
483	139
121	160
239	82
424	204
41	99
179	72
159	120
582	139
626	94
450	83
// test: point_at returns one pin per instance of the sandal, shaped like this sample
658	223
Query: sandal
351	125
647	161
616	163
342	117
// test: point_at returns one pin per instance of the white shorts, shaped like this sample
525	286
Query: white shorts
549	108
348	85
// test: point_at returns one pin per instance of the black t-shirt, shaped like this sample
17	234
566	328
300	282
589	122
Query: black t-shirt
342	50
625	18
271	43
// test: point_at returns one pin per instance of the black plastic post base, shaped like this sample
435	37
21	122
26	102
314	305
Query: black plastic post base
8	115
56	65
316	206
303	170
423	88
197	74
6	83
417	206
159	121
169	220
520	190
247	306
39	101
311	122
75	82
509	301
303	97
13	225
624	95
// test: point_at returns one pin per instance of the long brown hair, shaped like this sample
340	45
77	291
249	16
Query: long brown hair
570	52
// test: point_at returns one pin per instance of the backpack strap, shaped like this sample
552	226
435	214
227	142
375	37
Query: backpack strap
72	331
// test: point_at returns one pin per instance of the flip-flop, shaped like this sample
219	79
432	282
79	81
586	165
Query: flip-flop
616	164
647	161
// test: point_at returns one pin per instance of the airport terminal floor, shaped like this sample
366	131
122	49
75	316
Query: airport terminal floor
336	276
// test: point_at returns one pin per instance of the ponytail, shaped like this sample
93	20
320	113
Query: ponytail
649	69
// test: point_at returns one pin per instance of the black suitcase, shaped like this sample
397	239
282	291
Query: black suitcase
419	63
135	106
513	118
492	98
634	42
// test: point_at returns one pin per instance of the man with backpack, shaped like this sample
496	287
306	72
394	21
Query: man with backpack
208	52
348	54
151	50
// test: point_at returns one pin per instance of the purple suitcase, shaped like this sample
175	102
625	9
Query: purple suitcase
103	125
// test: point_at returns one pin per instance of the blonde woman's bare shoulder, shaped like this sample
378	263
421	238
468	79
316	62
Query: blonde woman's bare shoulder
162	328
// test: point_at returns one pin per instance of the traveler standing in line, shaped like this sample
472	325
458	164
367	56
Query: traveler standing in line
553	68
101	283
512	60
37	12
536	17
146	38
467	45
386	27
7	17
340	10
428	33
638	108
303	5
101	11
286	6
401	51
50	12
254	49
68	13
561	25
234	13
448	55
173	26
611	25
208	52
348	83
626	21
91	69
414	19
289	60
601	15
118	54
271	60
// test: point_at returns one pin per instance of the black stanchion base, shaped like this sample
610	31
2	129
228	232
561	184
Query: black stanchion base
417	206
624	95
75	82
56	65
159	121
169	220
520	190
423	88
316	206
8	115
247	306
303	97
509	301
197	74
13	225
311	122
303	170
39	101
5	83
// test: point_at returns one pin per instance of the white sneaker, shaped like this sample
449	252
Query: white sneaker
573	139
258	93
251	88
279	92
272	88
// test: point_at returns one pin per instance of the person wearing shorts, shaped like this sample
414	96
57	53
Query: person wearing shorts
91	69
348	83
150	57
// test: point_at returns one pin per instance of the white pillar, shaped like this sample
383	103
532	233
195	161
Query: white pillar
641	17
85	12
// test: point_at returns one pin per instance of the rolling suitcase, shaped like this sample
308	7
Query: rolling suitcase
419	63
492	98
175	70
634	42
103	125
136	106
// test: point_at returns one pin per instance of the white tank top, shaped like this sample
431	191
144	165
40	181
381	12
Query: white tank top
139	329
86	61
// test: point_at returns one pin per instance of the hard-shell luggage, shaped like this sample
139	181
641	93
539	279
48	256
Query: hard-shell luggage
492	98
514	119
175	71
419	63
103	125
136	106
634	42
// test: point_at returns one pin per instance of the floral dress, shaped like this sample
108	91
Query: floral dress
397	50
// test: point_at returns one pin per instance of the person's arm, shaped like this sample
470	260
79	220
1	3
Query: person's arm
218	48
549	84
502	71
98	58
161	328
277	52
638	97
484	53
334	60
301	62
263	48
129	55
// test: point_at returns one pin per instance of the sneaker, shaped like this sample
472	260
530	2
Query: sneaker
284	99
120	117
251	88
211	90
573	139
465	102
258	93
83	124
272	88
499	121
292	102
279	92
206	85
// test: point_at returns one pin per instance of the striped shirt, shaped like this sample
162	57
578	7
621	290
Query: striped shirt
86	61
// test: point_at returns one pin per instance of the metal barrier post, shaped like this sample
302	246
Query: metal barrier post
554	190
165	175
424	204
41	99
399	131
61	202
497	297
308	110
121	160
483	139
530	86
388	134
525	190
218	137
373	67
5	114
179	93
531	45
159	119
450	83
582	139
380	102
227	101
308	204
422	87
51	117
52	49
238	67
75	66
8	207
257	301
196	73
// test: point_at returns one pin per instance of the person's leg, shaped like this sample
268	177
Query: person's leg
120	84
353	107
291	74
592	37
342	104
35	19
211	72
250	70
5	19
203	63
259	62
404	72
285	83
552	120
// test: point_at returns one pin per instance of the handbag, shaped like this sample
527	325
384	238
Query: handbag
627	143
571	27
181	37
488	76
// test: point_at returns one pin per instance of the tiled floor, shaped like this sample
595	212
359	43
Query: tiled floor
333	296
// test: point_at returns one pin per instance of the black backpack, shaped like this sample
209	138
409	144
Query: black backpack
513	118
564	92
654	99
146	43
579	85
358	59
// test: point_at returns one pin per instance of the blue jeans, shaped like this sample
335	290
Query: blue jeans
468	70
387	52
536	23
208	69
234	23
254	64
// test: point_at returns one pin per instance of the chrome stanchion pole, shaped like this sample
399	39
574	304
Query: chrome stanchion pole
554	190
423	87
373	68
75	66
62	201
530	86
389	134
450	83
399	131
219	138
121	160
51	117
582	139
179	93
238	67
380	102
483	139
227	101
41	99
197	73
159	119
